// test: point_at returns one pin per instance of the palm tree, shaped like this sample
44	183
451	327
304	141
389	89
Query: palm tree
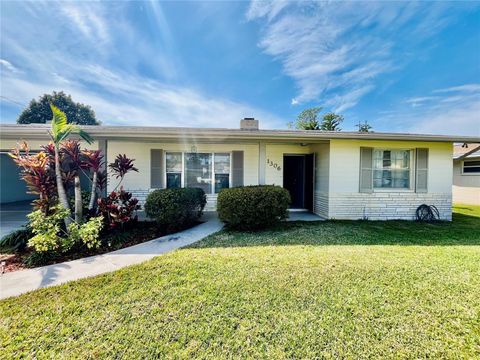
59	131
93	160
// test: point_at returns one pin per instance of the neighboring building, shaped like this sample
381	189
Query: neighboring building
466	174
341	175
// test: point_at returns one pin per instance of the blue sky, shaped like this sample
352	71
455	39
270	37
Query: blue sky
402	66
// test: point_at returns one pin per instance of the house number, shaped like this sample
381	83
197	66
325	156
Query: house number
274	165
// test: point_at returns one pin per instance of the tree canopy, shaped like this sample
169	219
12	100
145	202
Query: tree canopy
308	119
365	127
331	122
39	111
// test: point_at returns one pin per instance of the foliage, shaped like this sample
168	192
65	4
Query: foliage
331	122
325	289
85	200
16	241
118	208
365	127
122	165
48	231
253	207
87	233
41	258
174	209
37	170
307	119
38	111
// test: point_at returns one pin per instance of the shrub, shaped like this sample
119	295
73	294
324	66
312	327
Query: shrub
118	208
253	207
87	233
16	241
47	230
40	258
174	209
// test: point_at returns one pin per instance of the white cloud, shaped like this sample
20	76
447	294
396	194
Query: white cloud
8	66
335	51
77	60
461	88
442	113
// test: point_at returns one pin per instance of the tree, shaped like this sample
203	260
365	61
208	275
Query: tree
59	132
331	122
38	111
307	120
365	127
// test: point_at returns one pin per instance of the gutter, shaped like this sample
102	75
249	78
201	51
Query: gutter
11	131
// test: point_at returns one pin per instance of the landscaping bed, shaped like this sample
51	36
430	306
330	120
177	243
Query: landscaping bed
133	234
330	289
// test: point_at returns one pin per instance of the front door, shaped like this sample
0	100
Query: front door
294	179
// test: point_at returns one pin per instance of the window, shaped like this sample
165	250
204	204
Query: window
391	169
198	171
471	167
222	171
174	170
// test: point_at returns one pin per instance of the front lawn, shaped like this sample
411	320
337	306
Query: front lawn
332	289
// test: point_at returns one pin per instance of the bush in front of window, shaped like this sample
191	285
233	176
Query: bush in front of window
253	207
175	209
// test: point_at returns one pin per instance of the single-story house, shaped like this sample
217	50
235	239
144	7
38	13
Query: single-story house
466	174
337	175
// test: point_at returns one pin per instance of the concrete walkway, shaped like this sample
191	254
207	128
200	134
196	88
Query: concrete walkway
19	282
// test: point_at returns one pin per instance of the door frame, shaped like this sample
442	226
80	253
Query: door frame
306	182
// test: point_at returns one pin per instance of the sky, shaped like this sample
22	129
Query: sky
401	66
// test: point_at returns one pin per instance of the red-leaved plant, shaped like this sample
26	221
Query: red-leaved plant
118	208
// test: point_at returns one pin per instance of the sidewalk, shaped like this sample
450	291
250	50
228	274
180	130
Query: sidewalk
19	282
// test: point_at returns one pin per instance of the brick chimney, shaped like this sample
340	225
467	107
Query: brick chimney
248	124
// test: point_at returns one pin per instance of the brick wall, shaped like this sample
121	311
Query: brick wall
386	205
320	204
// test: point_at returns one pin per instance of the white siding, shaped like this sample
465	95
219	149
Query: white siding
466	187
322	166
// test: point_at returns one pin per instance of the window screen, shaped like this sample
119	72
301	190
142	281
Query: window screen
391	169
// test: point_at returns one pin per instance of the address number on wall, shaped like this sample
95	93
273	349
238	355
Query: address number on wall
274	165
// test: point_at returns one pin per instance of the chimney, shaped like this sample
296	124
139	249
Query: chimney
248	124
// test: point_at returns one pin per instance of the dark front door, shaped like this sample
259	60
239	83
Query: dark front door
294	179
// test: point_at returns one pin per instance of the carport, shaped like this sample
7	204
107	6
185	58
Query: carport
14	200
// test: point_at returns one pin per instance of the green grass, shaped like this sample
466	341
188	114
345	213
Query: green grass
337	289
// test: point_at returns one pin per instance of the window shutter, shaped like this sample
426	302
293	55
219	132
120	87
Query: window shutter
421	171
156	169
366	171
237	168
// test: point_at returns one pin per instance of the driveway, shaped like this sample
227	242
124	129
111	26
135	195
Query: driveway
13	216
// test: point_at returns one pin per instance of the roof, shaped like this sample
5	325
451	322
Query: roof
460	151
39	131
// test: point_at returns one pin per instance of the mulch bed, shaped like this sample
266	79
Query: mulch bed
137	233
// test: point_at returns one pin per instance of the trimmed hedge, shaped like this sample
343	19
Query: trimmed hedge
175	209
253	207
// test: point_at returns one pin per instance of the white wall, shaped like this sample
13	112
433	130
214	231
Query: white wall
346	202
466	187
274	154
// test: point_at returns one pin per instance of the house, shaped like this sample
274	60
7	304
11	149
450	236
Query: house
341	175
466	174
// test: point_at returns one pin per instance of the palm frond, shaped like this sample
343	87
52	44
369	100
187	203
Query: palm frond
59	121
85	136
